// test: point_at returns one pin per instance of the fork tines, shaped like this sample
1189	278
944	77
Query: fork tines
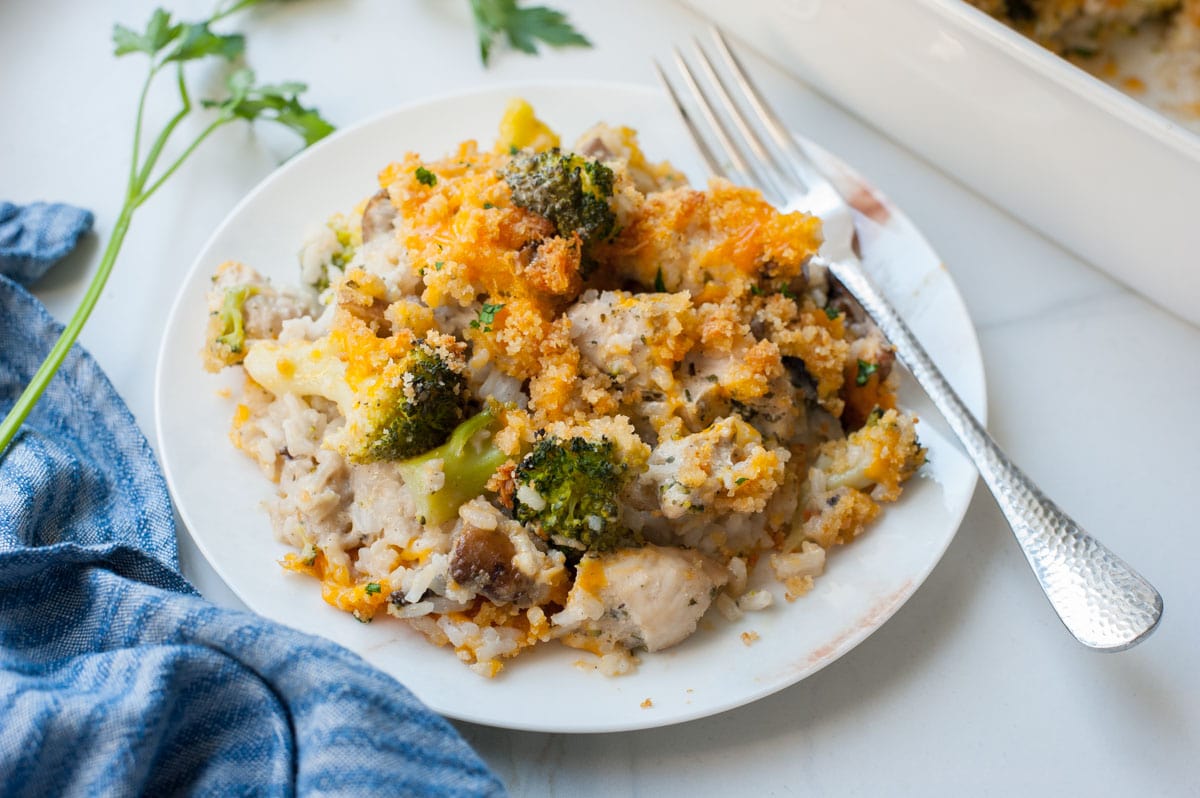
781	169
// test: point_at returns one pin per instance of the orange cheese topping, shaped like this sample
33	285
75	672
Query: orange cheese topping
717	242
363	599
590	576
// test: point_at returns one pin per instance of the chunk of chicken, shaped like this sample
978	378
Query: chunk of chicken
726	467
651	597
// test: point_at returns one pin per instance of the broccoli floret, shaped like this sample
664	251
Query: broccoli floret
412	416
569	190
567	490
233	328
468	460
411	407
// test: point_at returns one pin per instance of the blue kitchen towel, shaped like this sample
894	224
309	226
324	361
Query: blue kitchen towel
34	237
116	677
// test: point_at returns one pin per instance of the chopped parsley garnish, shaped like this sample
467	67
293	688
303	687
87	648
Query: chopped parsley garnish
741	480
437	266
659	285
373	588
754	289
786	291
865	370
487	206
487	315
832	312
425	177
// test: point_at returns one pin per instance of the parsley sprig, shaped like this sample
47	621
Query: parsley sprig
487	317
169	44
522	27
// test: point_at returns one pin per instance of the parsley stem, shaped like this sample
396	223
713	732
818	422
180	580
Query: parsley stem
137	127
219	13
37	386
146	194
135	191
165	43
135	196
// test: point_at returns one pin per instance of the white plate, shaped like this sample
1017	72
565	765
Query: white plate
218	490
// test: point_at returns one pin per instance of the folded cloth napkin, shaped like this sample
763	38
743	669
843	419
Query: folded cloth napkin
36	236
116	677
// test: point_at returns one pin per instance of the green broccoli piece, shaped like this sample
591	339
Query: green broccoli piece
468	460
233	325
567	490
569	190
411	407
419	412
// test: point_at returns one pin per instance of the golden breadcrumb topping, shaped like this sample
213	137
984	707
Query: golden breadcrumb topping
735	404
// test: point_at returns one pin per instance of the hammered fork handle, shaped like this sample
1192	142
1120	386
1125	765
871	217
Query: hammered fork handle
1103	602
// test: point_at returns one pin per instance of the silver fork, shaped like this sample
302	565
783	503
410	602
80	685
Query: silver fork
1103	602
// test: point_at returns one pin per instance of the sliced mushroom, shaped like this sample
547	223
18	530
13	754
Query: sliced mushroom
594	148
379	217
371	309
799	376
482	560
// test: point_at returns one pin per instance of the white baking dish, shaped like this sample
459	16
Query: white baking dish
1108	178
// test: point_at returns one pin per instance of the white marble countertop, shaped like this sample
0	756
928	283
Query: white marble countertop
973	687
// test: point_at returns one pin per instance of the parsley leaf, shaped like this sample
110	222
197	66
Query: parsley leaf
159	33
832	313
487	315
373	588
659	285
276	102
183	41
865	370
425	177
197	41
522	27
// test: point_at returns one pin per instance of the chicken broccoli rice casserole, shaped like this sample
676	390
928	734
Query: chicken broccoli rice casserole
1150	49
534	393
1088	25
